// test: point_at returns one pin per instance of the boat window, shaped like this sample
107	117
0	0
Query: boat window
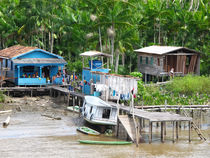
91	108
106	113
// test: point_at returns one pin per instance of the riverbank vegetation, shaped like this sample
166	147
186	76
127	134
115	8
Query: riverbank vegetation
117	27
188	90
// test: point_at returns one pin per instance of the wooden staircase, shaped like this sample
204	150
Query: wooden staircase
129	126
195	127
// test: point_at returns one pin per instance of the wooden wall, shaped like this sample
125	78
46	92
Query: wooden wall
182	63
152	69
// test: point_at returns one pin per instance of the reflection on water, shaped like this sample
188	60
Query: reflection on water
30	135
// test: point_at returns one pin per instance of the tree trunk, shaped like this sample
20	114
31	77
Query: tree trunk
49	40
117	61
112	46
159	34
123	59
191	5
52	40
99	32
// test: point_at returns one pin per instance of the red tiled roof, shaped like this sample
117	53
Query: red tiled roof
15	51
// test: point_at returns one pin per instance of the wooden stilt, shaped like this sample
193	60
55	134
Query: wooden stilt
162	135
50	92
173	132
140	125
73	102
165	128
31	93
189	131
177	130
150	132
118	124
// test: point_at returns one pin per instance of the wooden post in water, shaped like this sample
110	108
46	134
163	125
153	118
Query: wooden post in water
150	132
165	128
177	130
189	131
173	131
73	103
79	103
118	124
161	131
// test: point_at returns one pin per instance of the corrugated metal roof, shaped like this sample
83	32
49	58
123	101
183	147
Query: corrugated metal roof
160	50
39	61
94	53
15	51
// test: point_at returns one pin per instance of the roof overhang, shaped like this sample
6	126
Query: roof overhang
39	61
94	53
162	50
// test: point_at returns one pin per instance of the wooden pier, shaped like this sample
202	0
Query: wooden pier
132	125
152	117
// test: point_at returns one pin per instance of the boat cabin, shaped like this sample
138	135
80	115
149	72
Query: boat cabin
31	66
97	111
161	60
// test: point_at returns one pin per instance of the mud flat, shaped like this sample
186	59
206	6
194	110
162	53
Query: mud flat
30	134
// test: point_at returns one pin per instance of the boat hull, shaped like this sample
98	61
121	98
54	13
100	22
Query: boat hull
87	130
105	142
74	109
100	122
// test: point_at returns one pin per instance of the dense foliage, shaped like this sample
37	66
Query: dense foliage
69	28
188	90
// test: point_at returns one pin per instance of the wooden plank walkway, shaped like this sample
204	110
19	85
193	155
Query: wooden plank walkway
66	91
129	126
154	116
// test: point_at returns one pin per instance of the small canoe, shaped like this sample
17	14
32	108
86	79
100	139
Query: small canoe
105	142
88	131
73	108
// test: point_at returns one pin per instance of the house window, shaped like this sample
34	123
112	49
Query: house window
91	109
140	59
11	65
151	60
147	60
6	64
106	113
158	61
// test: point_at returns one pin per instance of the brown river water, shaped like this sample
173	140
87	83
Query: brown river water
30	135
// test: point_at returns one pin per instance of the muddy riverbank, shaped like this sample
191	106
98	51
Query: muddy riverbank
30	134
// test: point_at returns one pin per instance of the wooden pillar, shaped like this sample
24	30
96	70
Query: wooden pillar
74	102
173	132
150	132
31	92
162	135
192	113
118	124
68	99
145	78
50	92
177	130
140	125
165	128
189	131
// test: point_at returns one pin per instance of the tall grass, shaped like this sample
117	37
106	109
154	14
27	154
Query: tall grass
190	85
2	97
186	90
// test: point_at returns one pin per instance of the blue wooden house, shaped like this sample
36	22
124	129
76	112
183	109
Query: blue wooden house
88	77
31	66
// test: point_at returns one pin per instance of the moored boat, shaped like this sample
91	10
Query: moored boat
97	111
73	108
87	130
105	142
